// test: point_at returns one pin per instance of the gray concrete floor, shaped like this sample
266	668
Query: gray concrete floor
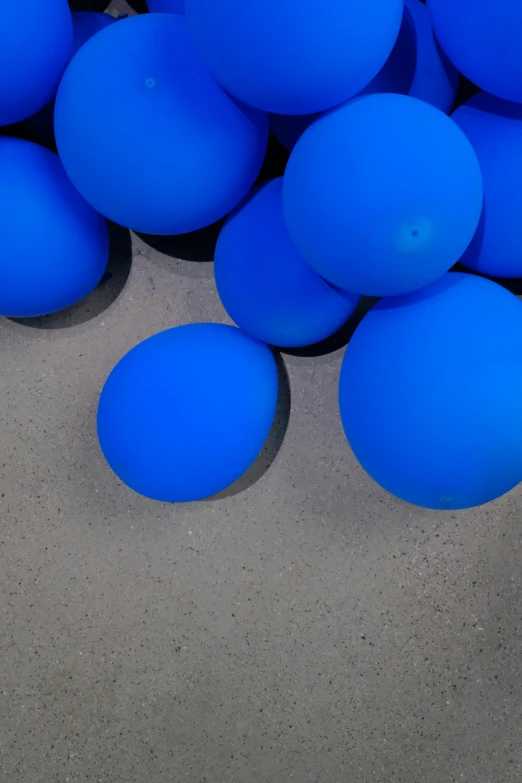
310	628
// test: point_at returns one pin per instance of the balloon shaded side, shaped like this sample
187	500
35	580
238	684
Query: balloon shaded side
55	247
494	128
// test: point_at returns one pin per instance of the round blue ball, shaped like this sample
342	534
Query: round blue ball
167	6
416	67
146	134
430	393
482	38
35	47
292	57
494	128
185	413
382	195
55	247
264	283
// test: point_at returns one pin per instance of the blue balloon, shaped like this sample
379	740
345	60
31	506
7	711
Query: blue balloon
482	38
266	286
158	147
35	47
40	126
494	128
167	6
86	24
292	57
382	195
185	413
416	67
430	393
55	247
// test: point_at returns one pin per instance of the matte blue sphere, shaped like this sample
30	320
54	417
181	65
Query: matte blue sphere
185	413
494	128
382	195
416	67
35	46
167	6
290	56
430	393
264	283
482	38
146	134
55	247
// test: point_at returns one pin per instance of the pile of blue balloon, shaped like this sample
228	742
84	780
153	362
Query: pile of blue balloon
161	122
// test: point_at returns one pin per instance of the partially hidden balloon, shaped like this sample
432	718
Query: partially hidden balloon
86	24
292	57
430	393
35	46
416	67
482	39
158	146
266	286
494	128
40	126
55	247
186	412
382	195
167	6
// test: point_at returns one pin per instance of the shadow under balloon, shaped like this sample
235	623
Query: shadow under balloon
195	246
273	443
200	245
140	6
103	296
89	5
465	91
338	339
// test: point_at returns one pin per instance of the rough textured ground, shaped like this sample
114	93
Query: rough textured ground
309	628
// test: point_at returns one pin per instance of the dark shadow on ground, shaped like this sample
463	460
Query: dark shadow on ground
274	441
339	339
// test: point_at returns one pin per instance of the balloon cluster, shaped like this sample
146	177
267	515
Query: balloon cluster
161	122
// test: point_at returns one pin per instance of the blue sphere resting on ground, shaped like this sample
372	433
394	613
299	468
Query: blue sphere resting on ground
416	67
55	247
265	285
382	195
158	147
294	57
185	413
482	39
494	128
167	6
35	46
430	393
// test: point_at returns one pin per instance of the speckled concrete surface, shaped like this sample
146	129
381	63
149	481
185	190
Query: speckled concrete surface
310	628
